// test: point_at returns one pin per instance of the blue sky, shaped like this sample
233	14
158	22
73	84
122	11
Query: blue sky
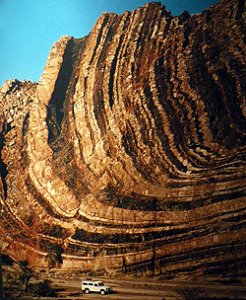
28	28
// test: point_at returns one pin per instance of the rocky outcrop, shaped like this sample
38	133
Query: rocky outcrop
129	154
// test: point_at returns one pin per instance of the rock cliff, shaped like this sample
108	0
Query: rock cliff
129	154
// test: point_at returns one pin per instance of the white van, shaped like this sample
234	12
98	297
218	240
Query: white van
89	286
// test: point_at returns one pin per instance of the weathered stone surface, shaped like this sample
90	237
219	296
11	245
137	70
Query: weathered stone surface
129	154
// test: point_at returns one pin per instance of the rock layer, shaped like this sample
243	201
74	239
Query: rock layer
129	154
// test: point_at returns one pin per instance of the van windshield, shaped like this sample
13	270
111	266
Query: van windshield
100	283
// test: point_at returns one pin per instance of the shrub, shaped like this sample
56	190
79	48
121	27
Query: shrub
42	288
26	273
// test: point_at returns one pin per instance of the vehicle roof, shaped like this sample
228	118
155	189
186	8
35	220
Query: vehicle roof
97	281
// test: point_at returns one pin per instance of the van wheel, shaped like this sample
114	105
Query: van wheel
87	291
102	292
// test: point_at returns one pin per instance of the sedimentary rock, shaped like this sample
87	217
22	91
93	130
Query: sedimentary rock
129	154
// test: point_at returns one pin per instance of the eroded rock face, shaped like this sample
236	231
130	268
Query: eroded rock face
129	154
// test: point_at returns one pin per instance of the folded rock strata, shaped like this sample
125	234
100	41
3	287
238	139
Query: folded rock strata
129	154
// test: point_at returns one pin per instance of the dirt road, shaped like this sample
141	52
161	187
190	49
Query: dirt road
137	289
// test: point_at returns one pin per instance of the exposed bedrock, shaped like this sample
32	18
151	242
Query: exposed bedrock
129	154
